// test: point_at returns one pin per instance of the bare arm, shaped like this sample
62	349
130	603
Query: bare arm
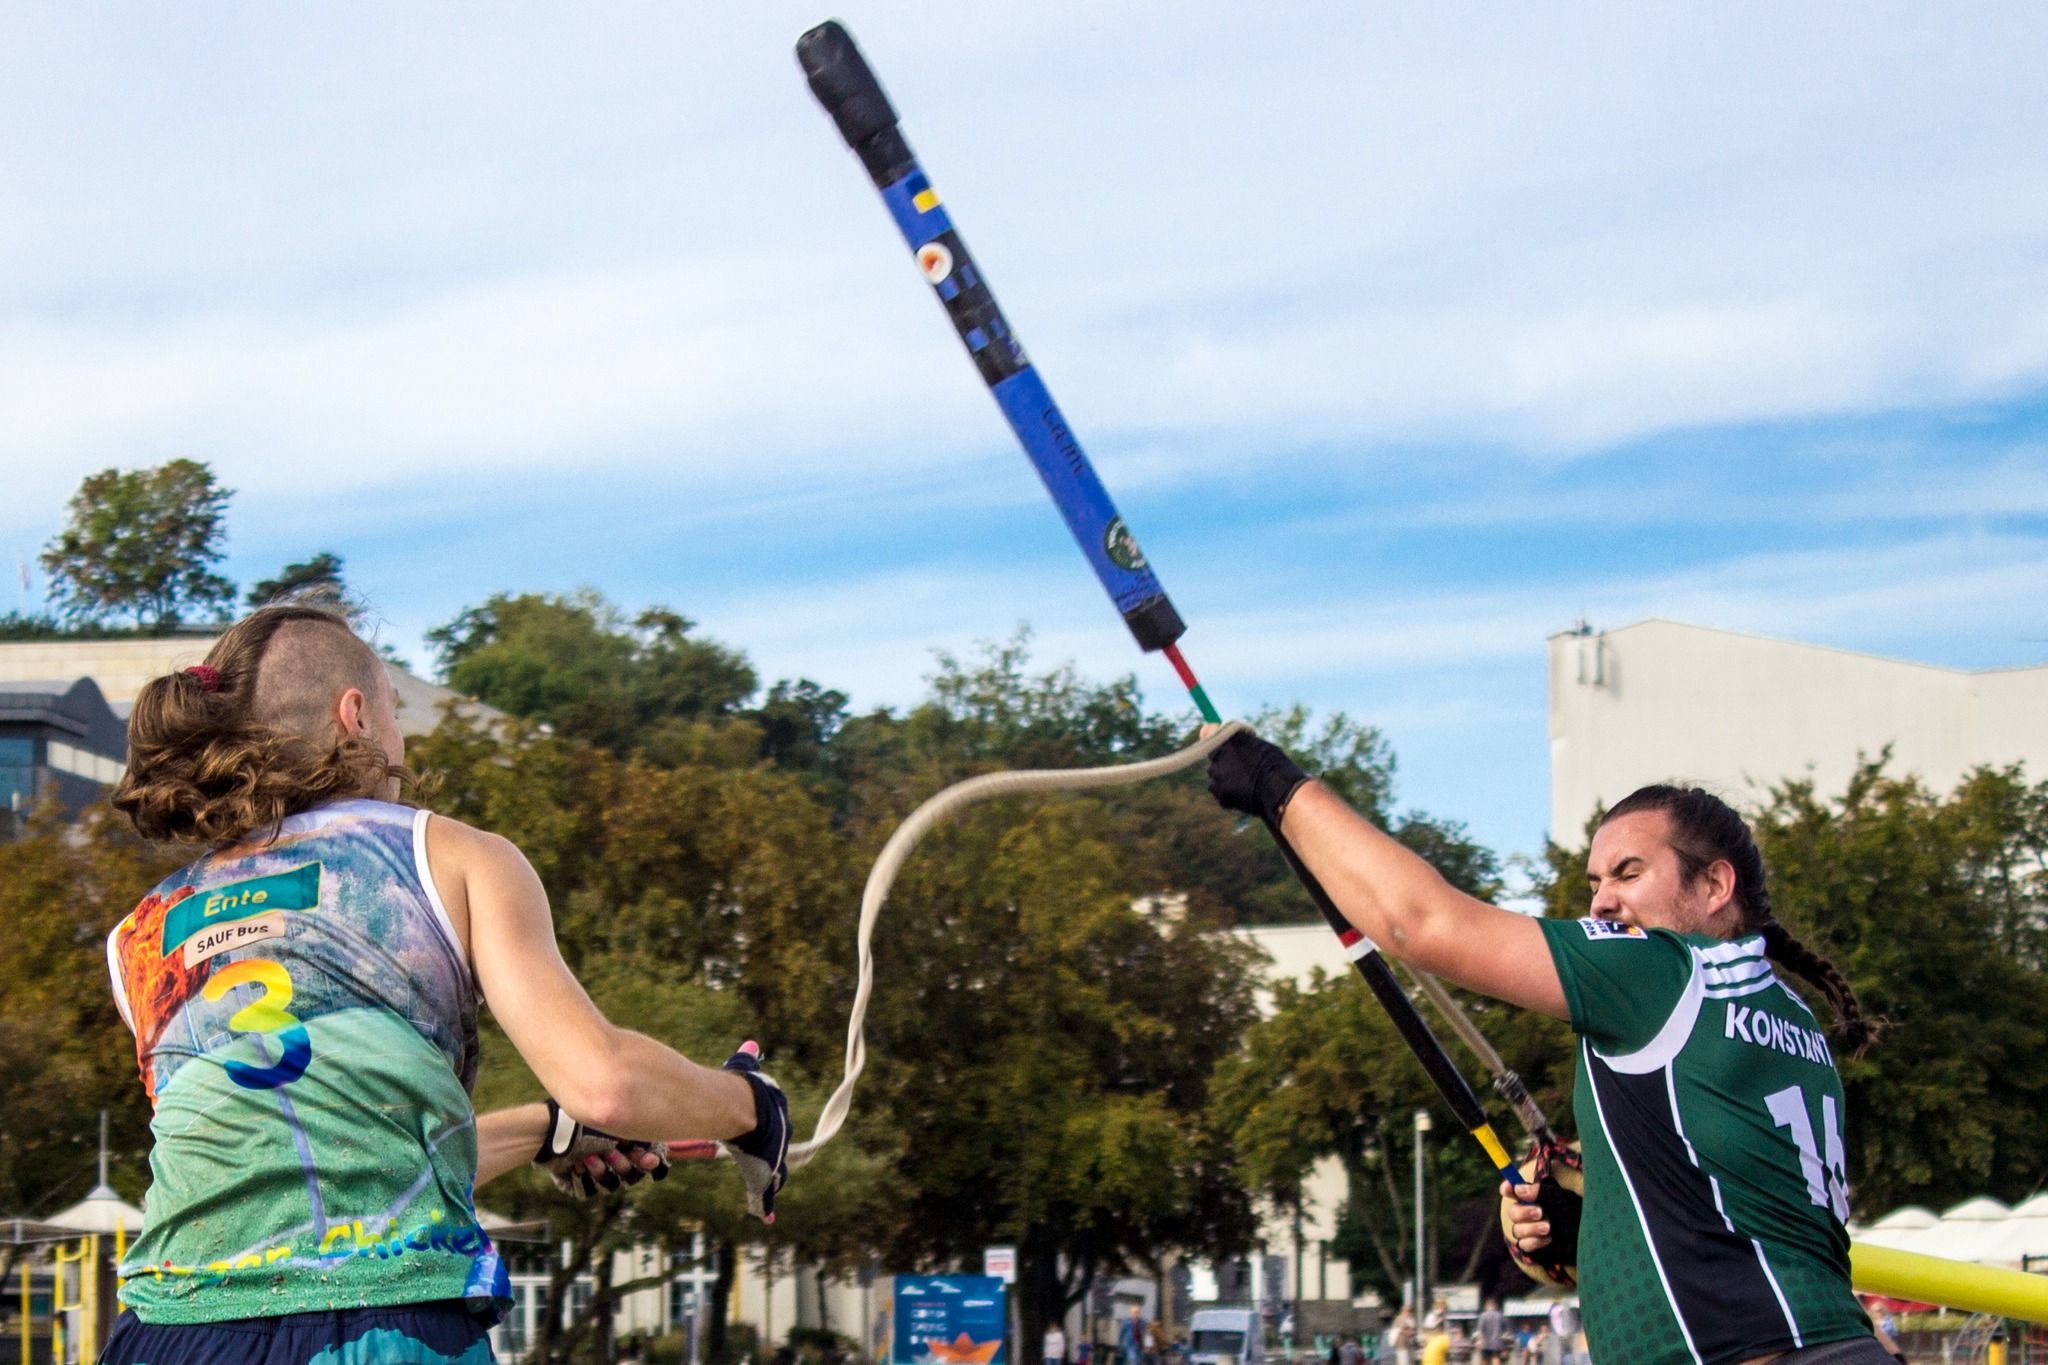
1401	903
507	1139
606	1076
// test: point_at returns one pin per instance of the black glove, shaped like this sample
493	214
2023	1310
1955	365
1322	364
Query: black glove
567	1144
1247	774
763	1154
1562	1209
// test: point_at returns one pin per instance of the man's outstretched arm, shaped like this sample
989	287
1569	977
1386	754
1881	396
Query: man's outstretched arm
1384	889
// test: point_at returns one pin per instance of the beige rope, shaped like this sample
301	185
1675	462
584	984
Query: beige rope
898	849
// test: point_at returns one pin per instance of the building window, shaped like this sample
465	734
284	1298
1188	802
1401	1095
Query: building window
516	1319
578	1302
17	773
86	764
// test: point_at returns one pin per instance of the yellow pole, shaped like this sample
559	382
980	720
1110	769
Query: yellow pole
89	1300
1994	1353
24	1312
1952	1284
58	1308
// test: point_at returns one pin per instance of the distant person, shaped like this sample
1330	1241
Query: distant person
304	1002
1054	1348
1706	1094
1403	1336
1349	1352
1130	1338
1490	1334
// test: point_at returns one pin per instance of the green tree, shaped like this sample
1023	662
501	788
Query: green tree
817	1220
142	544
64	1053
1932	907
577	664
1045	1060
1326	1075
1041	1076
318	577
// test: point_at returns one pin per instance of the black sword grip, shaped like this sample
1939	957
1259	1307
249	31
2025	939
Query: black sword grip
1429	1050
843	82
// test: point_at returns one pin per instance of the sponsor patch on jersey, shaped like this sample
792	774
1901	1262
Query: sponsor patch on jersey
234	934
298	889
1597	929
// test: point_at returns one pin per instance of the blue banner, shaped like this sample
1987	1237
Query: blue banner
950	1320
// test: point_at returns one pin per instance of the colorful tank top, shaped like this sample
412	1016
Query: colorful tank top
305	1020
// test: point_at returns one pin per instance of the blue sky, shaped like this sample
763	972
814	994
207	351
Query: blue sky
1403	335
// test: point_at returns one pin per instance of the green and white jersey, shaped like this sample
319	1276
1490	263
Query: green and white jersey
1711	1116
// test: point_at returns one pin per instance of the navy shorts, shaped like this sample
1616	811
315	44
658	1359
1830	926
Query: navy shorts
444	1333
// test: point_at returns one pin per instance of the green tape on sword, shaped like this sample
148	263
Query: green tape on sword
839	76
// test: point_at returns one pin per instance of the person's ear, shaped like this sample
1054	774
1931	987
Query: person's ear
348	712
1720	879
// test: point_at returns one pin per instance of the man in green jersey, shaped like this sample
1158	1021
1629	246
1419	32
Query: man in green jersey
1707	1098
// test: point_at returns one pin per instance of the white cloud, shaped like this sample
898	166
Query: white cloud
431	242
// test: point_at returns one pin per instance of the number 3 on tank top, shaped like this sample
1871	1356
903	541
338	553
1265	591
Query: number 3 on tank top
1826	1185
266	1015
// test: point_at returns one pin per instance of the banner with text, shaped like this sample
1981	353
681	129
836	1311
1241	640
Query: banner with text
950	1320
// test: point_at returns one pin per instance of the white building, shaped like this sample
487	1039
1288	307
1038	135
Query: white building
121	667
1660	701
1296	951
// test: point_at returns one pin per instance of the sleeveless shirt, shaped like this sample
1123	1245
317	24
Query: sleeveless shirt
1711	1116
305	1021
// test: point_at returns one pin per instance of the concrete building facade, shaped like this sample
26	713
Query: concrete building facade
1660	701
119	668
58	738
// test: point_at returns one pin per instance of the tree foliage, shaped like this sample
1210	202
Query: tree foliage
64	1053
1933	908
142	544
1038	1064
580	666
1327	1075
318	577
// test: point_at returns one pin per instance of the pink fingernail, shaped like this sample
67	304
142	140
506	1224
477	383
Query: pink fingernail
751	1048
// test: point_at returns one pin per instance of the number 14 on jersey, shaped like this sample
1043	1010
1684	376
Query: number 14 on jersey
1827	1181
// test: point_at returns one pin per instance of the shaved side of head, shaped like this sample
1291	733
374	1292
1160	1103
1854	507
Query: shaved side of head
307	667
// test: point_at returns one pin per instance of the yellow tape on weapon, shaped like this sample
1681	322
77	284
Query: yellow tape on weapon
1952	1284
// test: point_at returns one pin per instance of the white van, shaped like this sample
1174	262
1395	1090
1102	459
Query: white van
1219	1336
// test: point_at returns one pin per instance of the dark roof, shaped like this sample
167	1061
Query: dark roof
71	706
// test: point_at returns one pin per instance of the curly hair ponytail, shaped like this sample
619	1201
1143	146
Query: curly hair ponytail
219	752
1706	830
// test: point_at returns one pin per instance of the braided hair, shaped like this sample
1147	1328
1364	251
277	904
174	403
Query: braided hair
1706	830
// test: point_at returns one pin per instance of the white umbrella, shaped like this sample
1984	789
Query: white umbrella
1900	1229
1964	1231
100	1211
2024	1233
